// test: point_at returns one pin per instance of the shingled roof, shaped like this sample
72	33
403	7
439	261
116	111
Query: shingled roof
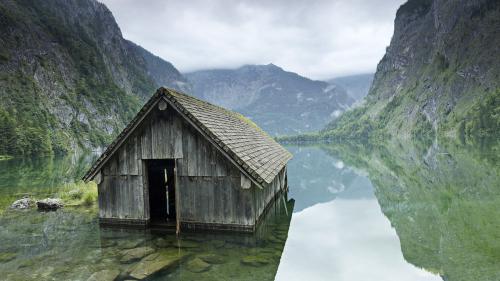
245	143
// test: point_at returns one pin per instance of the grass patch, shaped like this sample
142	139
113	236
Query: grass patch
78	194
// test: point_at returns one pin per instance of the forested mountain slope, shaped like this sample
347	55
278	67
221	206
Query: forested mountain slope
68	79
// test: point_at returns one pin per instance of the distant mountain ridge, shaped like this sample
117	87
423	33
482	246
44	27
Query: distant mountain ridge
279	101
68	78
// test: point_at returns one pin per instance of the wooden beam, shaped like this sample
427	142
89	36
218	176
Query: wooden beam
221	150
177	202
120	142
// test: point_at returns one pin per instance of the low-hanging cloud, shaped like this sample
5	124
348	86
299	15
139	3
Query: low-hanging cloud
318	39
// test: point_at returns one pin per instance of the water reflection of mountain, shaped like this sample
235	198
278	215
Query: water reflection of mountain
39	176
316	177
443	202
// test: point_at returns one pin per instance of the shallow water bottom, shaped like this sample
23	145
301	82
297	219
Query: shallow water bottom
69	244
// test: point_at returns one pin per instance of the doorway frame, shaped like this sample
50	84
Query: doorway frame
147	205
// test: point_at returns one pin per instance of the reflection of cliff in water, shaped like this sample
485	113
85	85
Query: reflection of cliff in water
443	202
316	177
39	177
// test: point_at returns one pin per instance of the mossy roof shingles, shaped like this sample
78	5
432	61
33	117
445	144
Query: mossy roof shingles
254	151
245	141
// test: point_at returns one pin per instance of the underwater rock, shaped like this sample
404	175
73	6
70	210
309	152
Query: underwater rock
255	260
188	244
23	203
104	275
130	244
49	204
197	265
217	243
157	262
108	243
162	243
132	255
230	245
212	259
6	257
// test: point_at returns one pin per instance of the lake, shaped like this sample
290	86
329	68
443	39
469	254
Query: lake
395	212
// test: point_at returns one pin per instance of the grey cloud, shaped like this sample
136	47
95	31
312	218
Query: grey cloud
318	39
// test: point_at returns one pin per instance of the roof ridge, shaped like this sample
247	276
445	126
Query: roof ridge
220	125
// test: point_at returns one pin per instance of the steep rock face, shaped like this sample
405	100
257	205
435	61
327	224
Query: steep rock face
68	79
440	75
162	72
280	102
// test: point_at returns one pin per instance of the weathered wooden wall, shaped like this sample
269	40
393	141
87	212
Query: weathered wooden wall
209	184
121	197
264	196
216	200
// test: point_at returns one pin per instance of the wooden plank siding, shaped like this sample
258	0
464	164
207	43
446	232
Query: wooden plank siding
209	184
266	195
215	200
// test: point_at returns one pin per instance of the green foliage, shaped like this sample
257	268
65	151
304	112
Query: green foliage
354	124
78	193
422	131
300	139
482	120
89	198
29	126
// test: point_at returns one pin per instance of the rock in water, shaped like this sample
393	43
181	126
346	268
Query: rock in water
132	255
23	203
188	244
154	263
49	204
256	261
212	259
104	275
197	265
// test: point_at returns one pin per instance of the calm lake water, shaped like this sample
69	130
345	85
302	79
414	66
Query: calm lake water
399	212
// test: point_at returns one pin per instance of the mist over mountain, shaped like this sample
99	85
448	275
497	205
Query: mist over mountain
68	78
279	101
356	86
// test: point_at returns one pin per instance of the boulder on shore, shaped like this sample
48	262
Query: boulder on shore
23	203
49	204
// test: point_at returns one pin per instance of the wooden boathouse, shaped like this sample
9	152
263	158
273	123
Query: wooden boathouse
185	162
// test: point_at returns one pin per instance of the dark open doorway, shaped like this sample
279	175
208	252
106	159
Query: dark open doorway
161	182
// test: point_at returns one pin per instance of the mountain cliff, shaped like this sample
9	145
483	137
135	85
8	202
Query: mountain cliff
279	101
439	77
68	79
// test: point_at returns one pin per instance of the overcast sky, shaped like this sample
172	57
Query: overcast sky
318	39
